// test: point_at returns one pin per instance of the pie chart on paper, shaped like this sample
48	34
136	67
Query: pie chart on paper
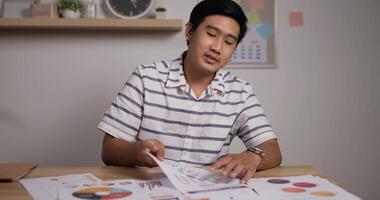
102	193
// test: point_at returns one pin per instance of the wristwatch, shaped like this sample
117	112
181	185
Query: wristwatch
257	151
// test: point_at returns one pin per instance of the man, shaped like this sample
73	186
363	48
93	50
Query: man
189	109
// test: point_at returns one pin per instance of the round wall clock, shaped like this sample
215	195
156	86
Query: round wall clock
130	9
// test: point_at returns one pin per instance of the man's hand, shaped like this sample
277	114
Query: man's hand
153	146
241	165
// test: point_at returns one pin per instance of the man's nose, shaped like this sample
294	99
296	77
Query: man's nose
217	45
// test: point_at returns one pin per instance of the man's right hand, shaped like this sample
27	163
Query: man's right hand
153	146
120	152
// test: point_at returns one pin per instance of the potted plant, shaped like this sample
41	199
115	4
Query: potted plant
160	12
71	8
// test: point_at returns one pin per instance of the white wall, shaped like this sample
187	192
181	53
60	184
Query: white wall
322	100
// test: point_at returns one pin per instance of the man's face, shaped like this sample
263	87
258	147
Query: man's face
212	44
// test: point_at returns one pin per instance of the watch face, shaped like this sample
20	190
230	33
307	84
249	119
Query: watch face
129	8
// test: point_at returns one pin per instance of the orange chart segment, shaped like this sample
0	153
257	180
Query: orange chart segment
323	193
293	190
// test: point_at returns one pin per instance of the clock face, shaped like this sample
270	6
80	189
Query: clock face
130	8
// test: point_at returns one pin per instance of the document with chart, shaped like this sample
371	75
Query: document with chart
193	180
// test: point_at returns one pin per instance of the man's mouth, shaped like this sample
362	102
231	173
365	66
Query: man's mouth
211	59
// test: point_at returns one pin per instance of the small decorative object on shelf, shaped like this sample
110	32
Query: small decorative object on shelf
43	11
160	12
90	9
71	9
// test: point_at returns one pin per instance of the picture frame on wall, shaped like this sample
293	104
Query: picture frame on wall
16	8
257	49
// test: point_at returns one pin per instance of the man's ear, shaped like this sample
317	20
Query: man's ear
188	31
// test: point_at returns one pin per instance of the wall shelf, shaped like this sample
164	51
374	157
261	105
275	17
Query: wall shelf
91	24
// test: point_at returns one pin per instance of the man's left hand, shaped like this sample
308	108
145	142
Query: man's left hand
242	166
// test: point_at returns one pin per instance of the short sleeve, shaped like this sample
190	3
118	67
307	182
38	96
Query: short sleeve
253	126
123	117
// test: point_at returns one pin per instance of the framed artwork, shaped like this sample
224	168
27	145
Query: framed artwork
16	8
257	49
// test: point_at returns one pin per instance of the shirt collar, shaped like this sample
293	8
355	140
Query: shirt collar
176	78
217	85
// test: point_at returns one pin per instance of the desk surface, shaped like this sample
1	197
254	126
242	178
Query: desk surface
15	190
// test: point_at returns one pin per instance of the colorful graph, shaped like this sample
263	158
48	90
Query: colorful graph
102	193
300	187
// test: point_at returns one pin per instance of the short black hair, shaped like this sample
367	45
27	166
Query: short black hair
227	8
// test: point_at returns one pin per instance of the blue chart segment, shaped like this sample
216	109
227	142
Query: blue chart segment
278	181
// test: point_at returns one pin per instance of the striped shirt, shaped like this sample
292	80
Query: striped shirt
157	103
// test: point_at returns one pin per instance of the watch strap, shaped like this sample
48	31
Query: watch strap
257	151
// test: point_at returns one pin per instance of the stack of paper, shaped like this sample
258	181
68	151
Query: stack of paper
50	187
184	182
14	171
87	186
200	183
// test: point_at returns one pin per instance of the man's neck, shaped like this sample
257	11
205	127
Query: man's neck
197	79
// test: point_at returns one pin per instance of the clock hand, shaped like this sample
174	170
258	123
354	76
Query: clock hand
134	2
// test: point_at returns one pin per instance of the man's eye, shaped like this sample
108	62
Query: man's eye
211	34
228	42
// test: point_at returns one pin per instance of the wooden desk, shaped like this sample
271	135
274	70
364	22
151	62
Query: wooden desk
15	190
